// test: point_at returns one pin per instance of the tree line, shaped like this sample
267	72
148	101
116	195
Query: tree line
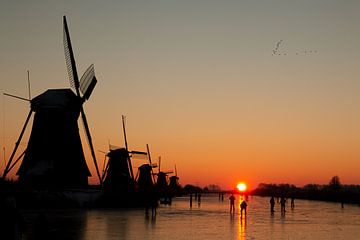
334	191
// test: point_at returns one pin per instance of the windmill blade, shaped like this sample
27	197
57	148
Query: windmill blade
152	165
104	163
70	60
29	88
16	161
138	154
88	137
74	82
6	170
127	149
105	171
14	96
175	171
159	163
88	82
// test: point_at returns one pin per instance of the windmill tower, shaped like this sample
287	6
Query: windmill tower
144	180
117	176
54	155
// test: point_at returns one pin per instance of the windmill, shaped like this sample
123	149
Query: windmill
162	177
174	181
118	173
54	155
162	185
145	176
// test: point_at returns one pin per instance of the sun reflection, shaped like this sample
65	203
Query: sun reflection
241	221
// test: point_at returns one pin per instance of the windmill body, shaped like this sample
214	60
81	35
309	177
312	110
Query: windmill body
54	156
174	185
118	178
145	181
174	182
162	181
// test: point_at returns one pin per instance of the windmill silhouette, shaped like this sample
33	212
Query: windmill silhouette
174	181
54	155
145	176
118	173
162	178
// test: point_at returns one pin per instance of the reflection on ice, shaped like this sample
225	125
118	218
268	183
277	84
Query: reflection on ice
309	220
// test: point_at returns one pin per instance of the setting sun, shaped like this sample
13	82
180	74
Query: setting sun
241	187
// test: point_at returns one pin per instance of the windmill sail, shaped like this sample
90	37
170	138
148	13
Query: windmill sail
89	139
138	155
8	168
88	82
69	58
74	81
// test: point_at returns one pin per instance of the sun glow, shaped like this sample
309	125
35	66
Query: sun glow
241	187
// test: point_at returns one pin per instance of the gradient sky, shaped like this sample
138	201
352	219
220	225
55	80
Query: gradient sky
198	82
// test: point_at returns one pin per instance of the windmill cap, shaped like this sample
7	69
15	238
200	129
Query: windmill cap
64	99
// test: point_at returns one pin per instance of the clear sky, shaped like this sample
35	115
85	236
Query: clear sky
199	82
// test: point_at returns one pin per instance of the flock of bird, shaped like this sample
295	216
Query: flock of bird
276	52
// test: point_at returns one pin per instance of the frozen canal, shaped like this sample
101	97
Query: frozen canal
210	220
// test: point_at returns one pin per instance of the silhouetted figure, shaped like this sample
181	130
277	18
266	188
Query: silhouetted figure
292	203
232	203
272	204
199	199
222	197
190	199
243	207
282	204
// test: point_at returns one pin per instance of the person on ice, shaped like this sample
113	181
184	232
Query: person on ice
232	203
243	207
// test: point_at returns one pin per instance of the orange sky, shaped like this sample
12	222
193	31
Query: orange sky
198	83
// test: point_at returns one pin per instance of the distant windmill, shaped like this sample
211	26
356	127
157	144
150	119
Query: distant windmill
174	181
54	155
162	177
118	173
145	177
